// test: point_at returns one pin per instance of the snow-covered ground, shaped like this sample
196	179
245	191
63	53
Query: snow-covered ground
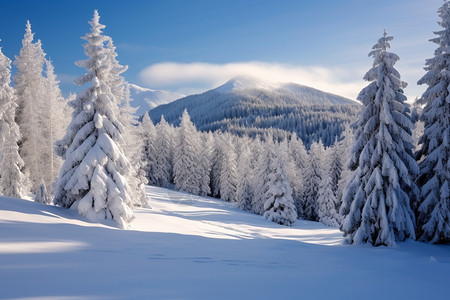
188	247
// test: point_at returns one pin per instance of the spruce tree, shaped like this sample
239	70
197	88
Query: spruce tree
163	154
261	178
228	174
313	177
244	191
147	159
327	203
433	221
33	115
377	200
205	149
93	176
59	110
13	182
278	202
186	161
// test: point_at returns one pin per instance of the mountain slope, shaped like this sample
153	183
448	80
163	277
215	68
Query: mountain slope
145	99
189	247
245	105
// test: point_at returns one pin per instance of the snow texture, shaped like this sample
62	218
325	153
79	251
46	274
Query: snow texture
187	247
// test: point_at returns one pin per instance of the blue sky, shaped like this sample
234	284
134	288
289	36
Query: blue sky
190	46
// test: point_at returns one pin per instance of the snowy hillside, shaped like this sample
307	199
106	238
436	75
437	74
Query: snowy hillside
146	99
188	247
245	104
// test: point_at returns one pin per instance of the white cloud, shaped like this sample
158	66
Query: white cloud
346	81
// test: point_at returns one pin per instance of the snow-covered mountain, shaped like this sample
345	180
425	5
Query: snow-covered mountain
145	99
243	103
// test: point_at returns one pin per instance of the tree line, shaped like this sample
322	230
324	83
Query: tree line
373	182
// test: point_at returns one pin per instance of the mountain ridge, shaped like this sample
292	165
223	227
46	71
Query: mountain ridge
249	106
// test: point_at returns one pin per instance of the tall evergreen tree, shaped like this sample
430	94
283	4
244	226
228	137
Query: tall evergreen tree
205	149
279	205
93	176
33	115
299	157
163	154
186	161
327	203
313	177
58	109
261	178
244	192
433	222
377	200
13	183
216	164
346	145
147	159
228	174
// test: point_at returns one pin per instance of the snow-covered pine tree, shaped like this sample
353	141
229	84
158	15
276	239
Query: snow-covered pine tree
148	151
93	176
313	176
205	149
279	205
163	153
58	109
186	160
433	221
33	115
216	164
13	183
261	178
346	145
244	192
335	164
327	203
132	145
228	172
299	157
377	200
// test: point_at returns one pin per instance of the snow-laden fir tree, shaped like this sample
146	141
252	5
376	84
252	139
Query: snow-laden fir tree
148	151
377	200
299	157
120	91
33	115
261	177
294	174
312	178
93	176
59	110
186	160
279	205
433	221
346	145
244	191
13	183
132	145
334	160
216	164
327	203
228	172
206	148
163	153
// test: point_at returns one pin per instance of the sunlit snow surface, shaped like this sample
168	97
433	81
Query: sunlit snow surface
188	247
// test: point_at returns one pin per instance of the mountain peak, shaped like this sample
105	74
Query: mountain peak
243	82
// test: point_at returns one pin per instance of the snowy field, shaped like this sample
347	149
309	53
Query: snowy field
189	247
